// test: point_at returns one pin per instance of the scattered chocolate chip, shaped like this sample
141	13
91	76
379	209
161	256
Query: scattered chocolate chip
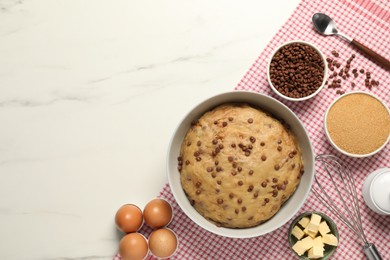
187	162
279	148
361	71
240	183
239	201
219	182
236	211
213	175
247	153
179	168
276	167
215	141
219	169
266	200
230	158
239	169
251	172
198	184
188	143
263	157
274	180
196	154
250	218
199	143
250	147
264	184
230	119
233	145
220	146
279	141
262	143
210	169
234	173
216	162
285	182
215	122
256	194
274	193
217	190
198	192
224	124
231	195
252	139
250	188
180	158
192	202
219	201
291	155
198	159
250	120
335	53
243	209
234	164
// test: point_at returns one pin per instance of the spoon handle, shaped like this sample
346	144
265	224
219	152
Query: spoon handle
375	56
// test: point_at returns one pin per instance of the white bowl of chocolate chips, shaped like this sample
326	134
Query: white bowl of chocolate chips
279	111
297	70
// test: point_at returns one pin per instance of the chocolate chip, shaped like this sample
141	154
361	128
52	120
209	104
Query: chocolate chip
220	146
279	141
247	153
250	218
198	184
196	154
335	53
233	145
266	200
274	180
179	168
224	124
219	169
236	211
219	182
217	190
230	158
262	143
243	209
215	141
240	183
263	157
252	139
216	162
234	173
188	143
251	172
291	155
279	148
192	202
239	169
231	195
250	188
234	164
250	147
264	184
285	182
198	159
239	201
210	169
198	192
361	71
276	167
199	143
187	162
256	194
180	158
230	119
213	175
215	122
250	120
220	201
274	193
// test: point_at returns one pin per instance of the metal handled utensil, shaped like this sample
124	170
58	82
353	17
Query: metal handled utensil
335	188
325	25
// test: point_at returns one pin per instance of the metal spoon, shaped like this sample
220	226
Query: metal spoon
325	25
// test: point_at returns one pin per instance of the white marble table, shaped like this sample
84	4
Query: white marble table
90	93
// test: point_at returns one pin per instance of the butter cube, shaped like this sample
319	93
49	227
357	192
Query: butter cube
297	232
314	223
307	243
298	248
316	252
304	222
317	242
324	228
330	239
310	233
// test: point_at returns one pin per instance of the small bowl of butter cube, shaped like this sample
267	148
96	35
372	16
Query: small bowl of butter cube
313	235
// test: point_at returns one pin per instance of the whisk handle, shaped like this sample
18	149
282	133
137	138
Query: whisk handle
371	252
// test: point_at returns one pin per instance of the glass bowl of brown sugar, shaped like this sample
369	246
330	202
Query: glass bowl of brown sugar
357	124
297	70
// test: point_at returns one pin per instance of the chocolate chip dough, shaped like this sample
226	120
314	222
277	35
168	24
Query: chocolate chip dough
238	165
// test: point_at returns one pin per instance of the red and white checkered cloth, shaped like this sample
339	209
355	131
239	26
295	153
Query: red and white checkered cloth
369	23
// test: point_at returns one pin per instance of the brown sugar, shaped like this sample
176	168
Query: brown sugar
358	123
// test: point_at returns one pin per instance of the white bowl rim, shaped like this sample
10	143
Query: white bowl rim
323	80
327	132
239	233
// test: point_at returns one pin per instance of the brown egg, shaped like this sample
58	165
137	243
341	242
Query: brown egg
158	213
128	218
133	246
163	243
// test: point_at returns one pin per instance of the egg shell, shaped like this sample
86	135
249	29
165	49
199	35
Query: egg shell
133	246
129	218
158	213
163	243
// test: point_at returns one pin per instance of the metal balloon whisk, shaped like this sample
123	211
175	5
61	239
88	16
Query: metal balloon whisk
335	188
